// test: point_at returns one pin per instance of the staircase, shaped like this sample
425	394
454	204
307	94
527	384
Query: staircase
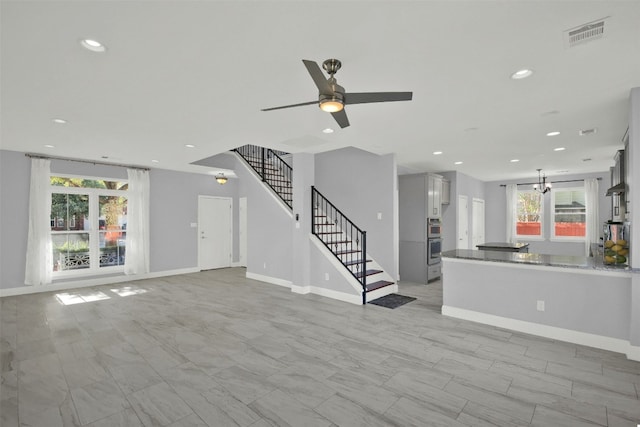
348	243
272	169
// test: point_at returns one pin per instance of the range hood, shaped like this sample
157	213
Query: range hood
616	189
617	175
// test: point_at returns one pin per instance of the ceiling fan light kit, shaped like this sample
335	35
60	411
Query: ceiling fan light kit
332	97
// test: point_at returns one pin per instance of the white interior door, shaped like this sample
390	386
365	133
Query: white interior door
242	230
463	223
477	223
215	230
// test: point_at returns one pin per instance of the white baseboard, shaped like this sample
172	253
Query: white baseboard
96	281
591	340
236	264
340	296
268	279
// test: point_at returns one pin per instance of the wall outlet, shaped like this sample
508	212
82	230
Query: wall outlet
326	276
379	215
265	265
194	225
540	305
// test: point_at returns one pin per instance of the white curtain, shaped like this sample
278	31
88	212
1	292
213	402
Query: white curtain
512	212
39	265
137	240
593	215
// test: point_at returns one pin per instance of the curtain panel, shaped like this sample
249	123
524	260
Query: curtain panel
592	234
137	242
39	264
512	212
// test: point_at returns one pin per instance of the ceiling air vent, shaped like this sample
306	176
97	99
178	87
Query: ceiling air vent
584	132
585	33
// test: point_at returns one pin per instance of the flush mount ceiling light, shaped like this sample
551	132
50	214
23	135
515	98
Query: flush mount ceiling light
521	74
59	121
554	133
542	186
93	45
221	178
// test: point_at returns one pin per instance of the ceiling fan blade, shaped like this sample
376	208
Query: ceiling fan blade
318	77
341	118
289	106
366	97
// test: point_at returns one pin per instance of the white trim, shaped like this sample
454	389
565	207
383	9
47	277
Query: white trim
555	269
230	200
591	340
88	282
268	279
340	296
268	189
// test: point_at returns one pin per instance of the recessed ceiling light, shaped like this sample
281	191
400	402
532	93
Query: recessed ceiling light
93	45
521	74
155	161
514	160
559	149
457	163
437	153
554	133
59	121
189	145
471	129
49	146
327	130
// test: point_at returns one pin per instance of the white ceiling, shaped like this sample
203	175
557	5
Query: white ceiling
199	72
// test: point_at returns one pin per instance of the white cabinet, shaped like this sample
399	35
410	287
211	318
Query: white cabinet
446	192
434	196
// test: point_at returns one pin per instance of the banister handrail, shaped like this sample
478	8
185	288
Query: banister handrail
268	159
349	257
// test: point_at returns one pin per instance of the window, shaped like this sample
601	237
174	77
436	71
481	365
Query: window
88	225
530	212
569	214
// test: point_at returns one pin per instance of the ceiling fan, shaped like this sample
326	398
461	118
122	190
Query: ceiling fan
332	98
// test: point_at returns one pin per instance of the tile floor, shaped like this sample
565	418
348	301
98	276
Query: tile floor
217	349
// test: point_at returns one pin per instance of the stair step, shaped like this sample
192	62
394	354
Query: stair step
328	232
337	242
347	252
377	285
368	273
354	262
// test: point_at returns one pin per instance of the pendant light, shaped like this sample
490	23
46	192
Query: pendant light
542	186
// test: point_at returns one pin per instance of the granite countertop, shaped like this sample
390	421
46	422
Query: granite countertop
566	261
504	245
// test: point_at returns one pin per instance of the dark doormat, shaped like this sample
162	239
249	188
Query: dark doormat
392	300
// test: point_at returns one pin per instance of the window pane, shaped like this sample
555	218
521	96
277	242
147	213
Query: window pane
529	214
112	246
70	251
61	181
69	211
570	213
113	223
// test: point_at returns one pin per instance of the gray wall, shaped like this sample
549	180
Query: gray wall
495	212
574	299
361	185
173	203
412	200
269	228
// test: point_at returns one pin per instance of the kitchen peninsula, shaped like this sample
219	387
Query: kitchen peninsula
569	298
